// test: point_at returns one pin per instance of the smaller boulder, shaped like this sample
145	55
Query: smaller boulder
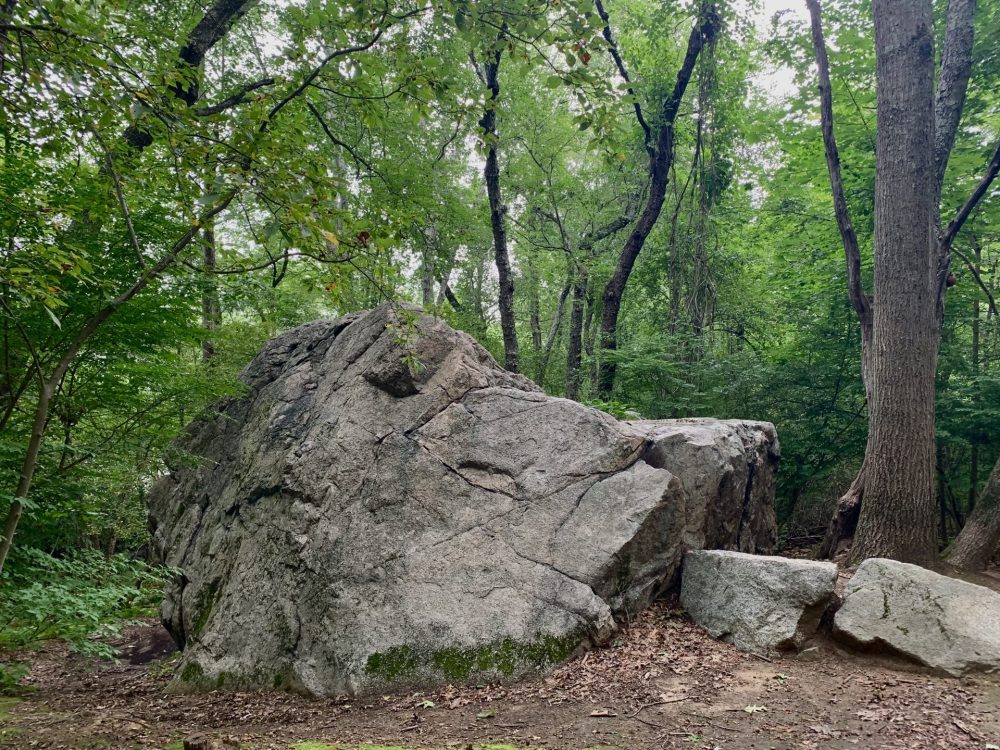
758	603
941	622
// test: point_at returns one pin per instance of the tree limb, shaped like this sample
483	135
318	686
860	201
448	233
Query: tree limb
979	280
972	201
336	141
126	214
231	101
212	27
953	81
852	254
623	72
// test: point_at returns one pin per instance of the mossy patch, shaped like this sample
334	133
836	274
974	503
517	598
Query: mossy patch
192	673
396	663
506	657
6	704
206	601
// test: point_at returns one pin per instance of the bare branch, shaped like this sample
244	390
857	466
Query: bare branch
973	200
990	300
238	98
623	72
852	254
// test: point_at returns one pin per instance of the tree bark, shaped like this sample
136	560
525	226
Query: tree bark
491	173
661	158
550	339
897	516
980	537
211	307
953	82
574	349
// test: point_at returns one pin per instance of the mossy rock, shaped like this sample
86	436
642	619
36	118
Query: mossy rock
505	658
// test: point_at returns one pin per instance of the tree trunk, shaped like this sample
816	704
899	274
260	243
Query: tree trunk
897	516
956	59
491	173
534	311
550	339
974	438
845	517
211	308
659	169
574	349
980	537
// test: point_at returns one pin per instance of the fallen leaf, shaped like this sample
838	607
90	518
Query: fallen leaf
602	712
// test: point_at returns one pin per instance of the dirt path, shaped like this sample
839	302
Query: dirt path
662	684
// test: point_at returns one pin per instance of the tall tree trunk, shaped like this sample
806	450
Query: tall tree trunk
979	539
660	162
211	308
491	173
974	439
574	349
897	516
553	334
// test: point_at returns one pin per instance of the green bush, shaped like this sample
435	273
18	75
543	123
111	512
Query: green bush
79	598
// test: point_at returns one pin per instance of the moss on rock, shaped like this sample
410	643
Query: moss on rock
506	657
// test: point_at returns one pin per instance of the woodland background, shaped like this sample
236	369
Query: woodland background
294	161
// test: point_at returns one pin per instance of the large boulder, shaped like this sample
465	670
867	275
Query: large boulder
386	504
728	471
758	603
941	622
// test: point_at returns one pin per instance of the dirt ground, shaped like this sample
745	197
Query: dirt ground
662	684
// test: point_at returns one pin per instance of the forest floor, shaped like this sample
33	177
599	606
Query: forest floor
663	683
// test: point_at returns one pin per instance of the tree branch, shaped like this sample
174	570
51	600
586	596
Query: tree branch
953	81
119	193
623	72
238	98
979	280
336	141
852	254
973	200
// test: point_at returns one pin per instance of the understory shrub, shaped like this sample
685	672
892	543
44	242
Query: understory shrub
81	598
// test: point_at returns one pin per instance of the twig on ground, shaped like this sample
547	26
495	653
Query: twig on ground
656	703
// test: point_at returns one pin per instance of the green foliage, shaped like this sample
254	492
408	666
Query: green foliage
10	678
79	598
367	185
614	408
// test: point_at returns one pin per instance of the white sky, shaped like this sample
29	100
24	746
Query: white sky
778	82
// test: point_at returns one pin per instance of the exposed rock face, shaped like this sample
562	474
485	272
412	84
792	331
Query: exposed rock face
758	603
356	518
732	466
942	622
